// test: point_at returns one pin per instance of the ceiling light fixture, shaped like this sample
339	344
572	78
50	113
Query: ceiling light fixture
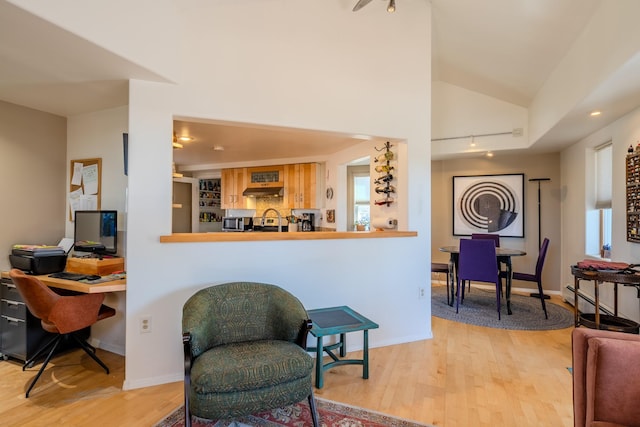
473	142
489	154
595	113
175	142
185	139
392	6
218	148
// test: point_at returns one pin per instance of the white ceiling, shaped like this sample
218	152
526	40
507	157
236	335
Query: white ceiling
505	49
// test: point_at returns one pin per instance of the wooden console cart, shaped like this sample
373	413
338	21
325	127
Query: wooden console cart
598	320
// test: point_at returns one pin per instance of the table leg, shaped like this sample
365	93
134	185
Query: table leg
365	355
576	288
596	292
343	345
319	363
453	277
507	262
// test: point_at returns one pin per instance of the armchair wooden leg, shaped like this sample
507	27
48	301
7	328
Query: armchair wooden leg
313	409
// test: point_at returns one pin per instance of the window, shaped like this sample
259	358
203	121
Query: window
604	171
359	196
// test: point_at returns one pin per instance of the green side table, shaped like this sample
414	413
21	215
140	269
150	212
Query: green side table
338	321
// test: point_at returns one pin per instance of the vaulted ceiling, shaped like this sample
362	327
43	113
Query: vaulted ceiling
505	49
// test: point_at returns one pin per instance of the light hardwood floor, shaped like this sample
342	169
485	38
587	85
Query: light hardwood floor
465	376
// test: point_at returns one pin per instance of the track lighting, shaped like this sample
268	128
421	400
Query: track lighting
392	6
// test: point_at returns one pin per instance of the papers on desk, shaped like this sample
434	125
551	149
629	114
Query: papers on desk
103	279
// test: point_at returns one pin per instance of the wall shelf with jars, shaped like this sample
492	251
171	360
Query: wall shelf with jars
633	197
210	200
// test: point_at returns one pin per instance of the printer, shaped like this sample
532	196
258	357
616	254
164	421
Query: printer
38	259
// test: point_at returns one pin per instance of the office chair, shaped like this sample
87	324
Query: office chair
477	261
245	351
537	276
61	315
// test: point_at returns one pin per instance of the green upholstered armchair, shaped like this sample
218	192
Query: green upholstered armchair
244	351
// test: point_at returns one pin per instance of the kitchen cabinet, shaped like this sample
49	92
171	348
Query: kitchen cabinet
300	186
265	176
233	183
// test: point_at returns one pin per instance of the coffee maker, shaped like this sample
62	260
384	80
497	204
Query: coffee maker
308	222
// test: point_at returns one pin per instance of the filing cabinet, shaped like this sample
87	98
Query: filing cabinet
21	333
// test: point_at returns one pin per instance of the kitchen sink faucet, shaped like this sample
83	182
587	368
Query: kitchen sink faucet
264	215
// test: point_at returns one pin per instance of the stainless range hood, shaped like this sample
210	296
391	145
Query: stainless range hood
264	192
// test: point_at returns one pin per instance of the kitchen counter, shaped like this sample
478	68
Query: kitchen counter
250	236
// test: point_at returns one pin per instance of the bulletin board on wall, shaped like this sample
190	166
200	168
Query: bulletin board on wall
85	185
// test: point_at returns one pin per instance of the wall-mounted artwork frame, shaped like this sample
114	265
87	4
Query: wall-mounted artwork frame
488	204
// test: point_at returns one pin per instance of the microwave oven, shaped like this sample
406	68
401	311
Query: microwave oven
237	223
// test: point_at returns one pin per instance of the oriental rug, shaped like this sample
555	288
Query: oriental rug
331	414
479	308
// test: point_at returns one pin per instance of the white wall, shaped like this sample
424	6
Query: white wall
32	177
588	63
532	166
461	112
332	76
578	197
99	135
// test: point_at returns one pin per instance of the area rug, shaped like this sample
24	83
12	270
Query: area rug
479	308
331	414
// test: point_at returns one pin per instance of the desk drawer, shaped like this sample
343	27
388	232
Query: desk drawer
14	337
14	309
9	291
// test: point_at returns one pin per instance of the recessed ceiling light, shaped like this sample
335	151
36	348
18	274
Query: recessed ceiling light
218	148
595	113
185	139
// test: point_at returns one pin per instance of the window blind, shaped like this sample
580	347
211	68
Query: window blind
604	172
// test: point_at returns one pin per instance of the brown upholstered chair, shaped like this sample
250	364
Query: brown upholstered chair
61	315
606	378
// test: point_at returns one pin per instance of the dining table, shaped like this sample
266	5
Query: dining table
503	256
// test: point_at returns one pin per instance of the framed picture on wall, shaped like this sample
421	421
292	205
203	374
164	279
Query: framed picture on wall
488	204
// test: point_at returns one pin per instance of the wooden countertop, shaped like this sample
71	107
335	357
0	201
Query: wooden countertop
86	288
265	236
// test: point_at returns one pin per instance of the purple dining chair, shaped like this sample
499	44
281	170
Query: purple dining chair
537	276
494	237
477	261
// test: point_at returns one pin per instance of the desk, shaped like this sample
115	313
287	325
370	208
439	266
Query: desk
504	256
334	321
614	322
116	285
22	333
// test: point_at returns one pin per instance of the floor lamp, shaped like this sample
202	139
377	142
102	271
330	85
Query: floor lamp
538	180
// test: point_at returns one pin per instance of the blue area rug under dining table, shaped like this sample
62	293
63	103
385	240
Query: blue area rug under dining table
479	308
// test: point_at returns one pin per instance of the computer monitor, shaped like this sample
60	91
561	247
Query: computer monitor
96	232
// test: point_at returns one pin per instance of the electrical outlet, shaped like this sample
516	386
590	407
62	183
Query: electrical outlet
421	293
145	324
